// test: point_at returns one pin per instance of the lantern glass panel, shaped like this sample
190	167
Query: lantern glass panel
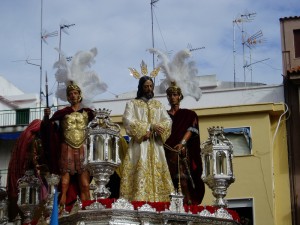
113	146
32	196
1	212
110	147
208	165
98	147
23	195
221	163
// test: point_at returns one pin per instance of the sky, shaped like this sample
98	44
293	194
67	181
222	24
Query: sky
123	30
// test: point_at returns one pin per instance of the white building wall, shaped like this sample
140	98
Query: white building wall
215	98
7	88
12	97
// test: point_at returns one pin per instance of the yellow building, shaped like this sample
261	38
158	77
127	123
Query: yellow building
261	175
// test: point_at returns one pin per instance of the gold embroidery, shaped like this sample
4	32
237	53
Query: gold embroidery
148	180
153	106
139	127
138	130
145	173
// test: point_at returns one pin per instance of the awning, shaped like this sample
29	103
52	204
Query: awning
9	136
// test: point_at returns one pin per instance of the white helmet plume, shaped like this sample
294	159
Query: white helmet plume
178	70
77	71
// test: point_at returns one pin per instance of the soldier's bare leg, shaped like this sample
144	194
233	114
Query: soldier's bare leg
65	181
84	184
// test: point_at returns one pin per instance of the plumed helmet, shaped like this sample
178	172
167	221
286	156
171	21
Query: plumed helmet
173	88
72	86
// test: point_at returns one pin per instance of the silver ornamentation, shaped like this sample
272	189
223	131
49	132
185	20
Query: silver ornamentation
95	206
18	220
3	206
52	181
223	213
134	217
64	212
77	206
42	220
146	208
122	203
80	223
205	213
176	203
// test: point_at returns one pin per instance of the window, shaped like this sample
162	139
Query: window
22	116
241	140
297	43
244	207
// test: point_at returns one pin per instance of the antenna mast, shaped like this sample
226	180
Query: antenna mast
247	17
62	28
41	64
152	32
234	52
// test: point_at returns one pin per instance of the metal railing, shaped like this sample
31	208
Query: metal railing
21	116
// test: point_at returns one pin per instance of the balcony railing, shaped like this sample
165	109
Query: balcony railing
21	116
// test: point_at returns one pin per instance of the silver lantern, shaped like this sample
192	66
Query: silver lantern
217	154
102	150
29	194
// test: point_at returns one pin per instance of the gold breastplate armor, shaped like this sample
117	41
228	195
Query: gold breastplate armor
74	126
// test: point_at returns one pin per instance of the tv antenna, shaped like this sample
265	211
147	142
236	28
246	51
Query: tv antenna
63	28
244	18
251	42
46	34
190	47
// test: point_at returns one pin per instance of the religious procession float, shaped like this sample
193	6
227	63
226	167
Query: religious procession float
102	160
36	194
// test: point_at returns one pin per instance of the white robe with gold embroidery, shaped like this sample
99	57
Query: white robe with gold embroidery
145	174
